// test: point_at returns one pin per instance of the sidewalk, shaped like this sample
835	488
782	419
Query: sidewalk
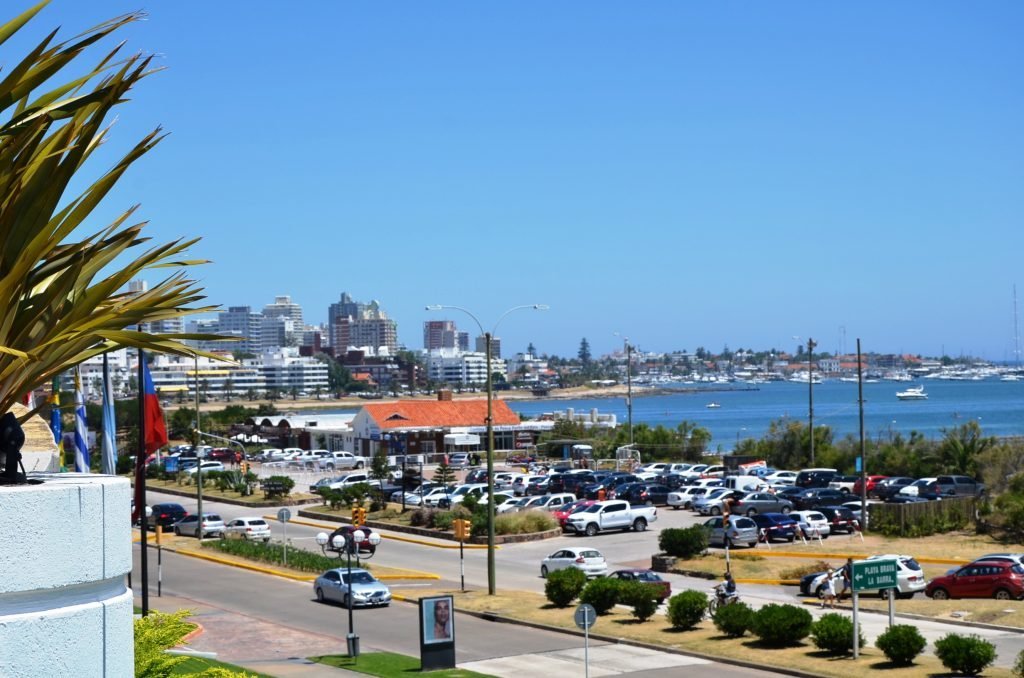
255	644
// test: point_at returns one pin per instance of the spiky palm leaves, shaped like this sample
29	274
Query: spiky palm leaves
63	301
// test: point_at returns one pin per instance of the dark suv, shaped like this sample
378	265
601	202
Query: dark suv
818	496
814	477
840	518
166	515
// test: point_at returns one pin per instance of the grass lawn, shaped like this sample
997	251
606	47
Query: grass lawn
704	639
196	665
387	664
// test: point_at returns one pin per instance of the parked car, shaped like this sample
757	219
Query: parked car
854	507
819	496
715	495
249	528
459	460
652	494
712	505
348	480
781	477
358	589
840	519
740	531
921	486
520	484
1017	558
663	589
959	486
165	515
225	455
588	560
813	524
888	487
843	483
213	525
684	496
814	477
549	502
1003	580
340	459
562	513
909	577
514	505
365	546
775	526
205	467
872	482
614	514
324	483
753	503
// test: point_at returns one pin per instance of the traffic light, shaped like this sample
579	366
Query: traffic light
462	528
358	516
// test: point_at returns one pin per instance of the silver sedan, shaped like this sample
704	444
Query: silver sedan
761	502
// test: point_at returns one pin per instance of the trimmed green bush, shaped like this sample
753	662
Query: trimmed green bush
643	598
602	593
683	542
1018	666
969	655
422	517
901	644
287	483
834	634
298	559
781	625
734	620
562	586
525	522
686	609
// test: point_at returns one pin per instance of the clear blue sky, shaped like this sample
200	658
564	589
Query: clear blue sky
687	174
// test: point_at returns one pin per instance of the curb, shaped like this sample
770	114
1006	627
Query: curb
842	556
393	537
415	574
494	617
921	617
229	500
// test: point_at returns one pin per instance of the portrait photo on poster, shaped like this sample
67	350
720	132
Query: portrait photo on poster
437	620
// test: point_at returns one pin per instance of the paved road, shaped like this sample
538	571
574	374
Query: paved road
519	564
268	624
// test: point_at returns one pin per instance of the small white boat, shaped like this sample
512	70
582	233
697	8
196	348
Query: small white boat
912	393
712	406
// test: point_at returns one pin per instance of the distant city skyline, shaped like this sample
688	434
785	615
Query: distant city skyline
681	174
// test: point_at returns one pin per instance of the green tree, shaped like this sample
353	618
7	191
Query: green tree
444	473
961	446
584	353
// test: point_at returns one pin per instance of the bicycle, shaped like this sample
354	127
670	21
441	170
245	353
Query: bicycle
718	599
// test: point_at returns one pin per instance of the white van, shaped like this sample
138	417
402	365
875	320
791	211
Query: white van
745	483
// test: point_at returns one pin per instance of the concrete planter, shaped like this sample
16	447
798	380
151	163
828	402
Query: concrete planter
65	549
662	563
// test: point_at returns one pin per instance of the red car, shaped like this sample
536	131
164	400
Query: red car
562	513
663	588
872	481
981	579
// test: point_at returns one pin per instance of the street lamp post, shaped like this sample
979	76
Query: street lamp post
629	385
810	391
491	585
351	544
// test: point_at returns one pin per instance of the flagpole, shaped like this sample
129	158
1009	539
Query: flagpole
140	481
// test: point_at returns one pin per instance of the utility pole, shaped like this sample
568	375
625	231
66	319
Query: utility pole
810	391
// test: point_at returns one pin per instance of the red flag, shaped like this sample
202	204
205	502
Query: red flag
155	436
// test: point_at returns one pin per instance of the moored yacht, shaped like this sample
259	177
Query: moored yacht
912	393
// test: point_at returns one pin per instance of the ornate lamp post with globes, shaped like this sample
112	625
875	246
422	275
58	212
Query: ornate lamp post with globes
351	545
491	587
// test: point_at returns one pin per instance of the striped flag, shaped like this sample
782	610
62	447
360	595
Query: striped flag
109	423
56	427
81	433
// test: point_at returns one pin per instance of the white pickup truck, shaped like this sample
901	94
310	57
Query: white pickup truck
613	514
336	460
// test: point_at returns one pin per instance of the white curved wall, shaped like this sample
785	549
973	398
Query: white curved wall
65	549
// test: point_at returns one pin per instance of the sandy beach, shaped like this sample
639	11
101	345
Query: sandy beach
325	403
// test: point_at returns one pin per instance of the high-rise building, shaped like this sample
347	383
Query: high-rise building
481	346
277	332
241	322
357	325
463	341
283	306
439	334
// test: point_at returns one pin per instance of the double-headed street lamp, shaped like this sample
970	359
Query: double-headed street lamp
810	391
350	543
491	587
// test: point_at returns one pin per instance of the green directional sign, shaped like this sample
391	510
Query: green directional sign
871	575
